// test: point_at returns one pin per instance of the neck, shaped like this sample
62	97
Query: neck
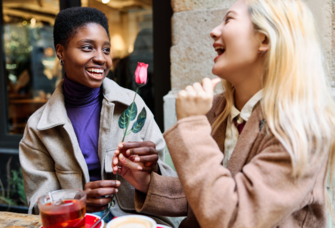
250	83
77	95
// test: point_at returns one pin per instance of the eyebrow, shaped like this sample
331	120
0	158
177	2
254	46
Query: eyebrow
92	41
230	11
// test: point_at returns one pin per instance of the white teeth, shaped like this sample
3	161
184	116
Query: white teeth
95	70
219	48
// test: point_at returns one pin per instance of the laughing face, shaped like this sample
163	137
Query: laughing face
87	57
236	44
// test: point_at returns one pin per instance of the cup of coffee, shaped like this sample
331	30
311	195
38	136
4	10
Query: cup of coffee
132	221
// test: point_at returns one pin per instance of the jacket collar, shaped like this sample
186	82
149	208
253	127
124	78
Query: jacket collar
54	113
246	141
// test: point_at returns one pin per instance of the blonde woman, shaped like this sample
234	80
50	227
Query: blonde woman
259	157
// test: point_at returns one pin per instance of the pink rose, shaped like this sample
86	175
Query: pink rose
141	74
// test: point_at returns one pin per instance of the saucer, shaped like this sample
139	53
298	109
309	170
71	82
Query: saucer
90	219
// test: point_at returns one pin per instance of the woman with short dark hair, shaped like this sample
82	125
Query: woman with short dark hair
69	142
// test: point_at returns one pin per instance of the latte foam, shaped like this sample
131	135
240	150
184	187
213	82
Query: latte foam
132	223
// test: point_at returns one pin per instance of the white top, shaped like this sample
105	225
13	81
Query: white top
231	130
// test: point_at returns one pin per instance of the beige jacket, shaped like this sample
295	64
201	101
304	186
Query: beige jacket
51	159
256	189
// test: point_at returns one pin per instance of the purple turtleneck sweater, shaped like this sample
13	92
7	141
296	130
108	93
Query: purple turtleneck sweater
83	106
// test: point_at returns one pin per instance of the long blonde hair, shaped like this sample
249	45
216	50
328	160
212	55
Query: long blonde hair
297	102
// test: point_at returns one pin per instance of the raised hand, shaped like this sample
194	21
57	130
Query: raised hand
197	99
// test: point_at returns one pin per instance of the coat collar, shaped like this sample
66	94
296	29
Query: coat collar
246	141
54	113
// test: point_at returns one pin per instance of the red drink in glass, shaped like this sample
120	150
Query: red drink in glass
63	208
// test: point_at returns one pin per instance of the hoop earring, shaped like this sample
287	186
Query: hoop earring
61	62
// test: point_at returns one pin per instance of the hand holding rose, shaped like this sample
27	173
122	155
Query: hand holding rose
137	161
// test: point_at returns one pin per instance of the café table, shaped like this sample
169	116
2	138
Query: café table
17	220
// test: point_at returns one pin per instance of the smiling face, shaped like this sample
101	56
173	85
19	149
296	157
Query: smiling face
87	57
237	44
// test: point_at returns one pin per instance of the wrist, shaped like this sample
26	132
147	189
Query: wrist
145	187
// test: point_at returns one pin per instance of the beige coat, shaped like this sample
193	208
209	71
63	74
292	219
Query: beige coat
51	158
256	190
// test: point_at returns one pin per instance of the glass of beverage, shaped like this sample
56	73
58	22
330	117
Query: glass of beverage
63	208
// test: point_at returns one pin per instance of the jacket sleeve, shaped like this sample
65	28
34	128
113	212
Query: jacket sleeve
261	195
153	134
165	197
38	168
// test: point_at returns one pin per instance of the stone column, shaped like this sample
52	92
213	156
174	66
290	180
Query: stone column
192	53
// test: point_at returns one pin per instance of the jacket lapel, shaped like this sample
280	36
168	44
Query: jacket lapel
245	142
106	121
54	114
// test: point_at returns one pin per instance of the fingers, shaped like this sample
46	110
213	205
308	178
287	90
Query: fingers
102	184
191	91
126	162
99	192
148	159
215	81
209	85
141	151
101	202
131	145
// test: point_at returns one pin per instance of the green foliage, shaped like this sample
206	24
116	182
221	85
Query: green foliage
139	123
128	115
14	194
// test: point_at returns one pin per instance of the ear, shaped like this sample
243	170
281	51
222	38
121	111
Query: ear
60	51
264	43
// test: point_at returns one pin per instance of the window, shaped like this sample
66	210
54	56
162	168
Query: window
31	68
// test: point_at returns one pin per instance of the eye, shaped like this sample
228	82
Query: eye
87	48
107	50
228	19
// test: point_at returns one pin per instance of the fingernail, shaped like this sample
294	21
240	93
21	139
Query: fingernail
139	168
137	159
116	190
121	157
120	145
128	152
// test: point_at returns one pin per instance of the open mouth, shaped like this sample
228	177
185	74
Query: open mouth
95	72
220	50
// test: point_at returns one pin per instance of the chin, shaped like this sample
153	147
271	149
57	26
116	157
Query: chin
217	71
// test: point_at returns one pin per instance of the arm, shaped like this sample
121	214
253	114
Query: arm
165	197
37	167
262	195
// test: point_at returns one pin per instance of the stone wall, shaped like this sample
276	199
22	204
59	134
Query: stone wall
192	54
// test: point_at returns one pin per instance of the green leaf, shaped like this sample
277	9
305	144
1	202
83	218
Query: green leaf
128	115
139	123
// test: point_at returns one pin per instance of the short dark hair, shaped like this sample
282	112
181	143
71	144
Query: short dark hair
68	22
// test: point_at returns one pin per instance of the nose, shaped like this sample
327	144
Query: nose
99	58
216	33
